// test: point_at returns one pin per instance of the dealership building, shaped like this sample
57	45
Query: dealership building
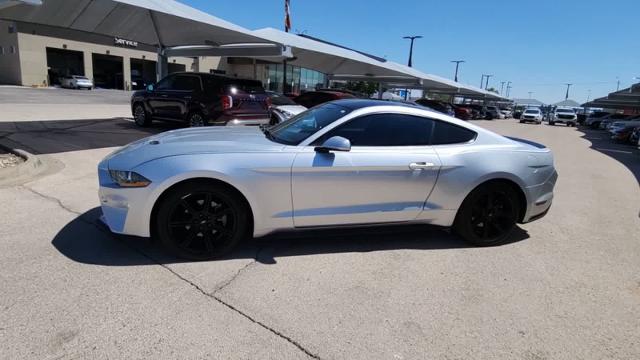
127	44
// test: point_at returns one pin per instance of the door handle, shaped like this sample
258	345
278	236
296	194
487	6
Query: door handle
165	95
420	165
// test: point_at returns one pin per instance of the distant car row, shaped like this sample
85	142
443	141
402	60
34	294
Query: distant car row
201	99
621	128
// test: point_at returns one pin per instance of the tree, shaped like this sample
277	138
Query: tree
364	87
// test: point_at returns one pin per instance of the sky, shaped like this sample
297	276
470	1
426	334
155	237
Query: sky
537	45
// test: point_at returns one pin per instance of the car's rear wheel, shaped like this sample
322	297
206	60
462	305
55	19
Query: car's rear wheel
201	221
196	119
140	115
488	215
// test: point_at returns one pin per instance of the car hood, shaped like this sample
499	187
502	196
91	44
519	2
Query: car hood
294	109
191	141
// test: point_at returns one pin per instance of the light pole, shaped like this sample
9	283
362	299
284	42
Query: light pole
567	94
502	86
457	64
530	92
482	80
508	88
618	84
412	38
488	76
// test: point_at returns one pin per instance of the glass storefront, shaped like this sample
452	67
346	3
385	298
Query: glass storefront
299	79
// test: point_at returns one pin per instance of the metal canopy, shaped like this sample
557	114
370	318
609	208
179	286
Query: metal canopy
606	103
154	22
263	50
328	58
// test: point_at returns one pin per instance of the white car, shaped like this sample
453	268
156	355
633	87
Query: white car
282	108
506	113
565	116
76	82
533	115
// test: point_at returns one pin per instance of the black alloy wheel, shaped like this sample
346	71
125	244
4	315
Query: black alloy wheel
201	221
197	120
140	116
488	215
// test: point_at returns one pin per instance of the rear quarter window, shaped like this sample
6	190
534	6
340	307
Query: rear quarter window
445	134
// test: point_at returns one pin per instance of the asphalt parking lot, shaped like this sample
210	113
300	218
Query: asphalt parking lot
566	287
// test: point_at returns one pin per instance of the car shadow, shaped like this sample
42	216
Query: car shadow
86	240
626	154
56	136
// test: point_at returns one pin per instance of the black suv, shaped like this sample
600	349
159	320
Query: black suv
201	99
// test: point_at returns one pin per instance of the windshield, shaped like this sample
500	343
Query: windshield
279	99
532	111
303	125
565	111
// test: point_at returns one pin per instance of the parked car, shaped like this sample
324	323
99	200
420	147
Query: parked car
622	134
619	125
492	112
531	115
282	108
202	99
608	120
76	82
200	192
593	119
479	111
313	98
506	113
436	105
462	112
565	116
634	138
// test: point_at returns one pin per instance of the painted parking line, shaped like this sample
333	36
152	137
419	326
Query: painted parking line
616	151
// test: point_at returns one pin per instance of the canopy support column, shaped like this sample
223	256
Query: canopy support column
162	65
380	91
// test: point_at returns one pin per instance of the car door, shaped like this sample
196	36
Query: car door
184	88
386	177
159	99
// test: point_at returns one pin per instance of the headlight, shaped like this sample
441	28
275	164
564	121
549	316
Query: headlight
128	178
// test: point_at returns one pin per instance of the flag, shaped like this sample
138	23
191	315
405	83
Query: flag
287	16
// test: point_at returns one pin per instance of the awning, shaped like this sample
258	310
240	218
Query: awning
331	59
606	103
152	22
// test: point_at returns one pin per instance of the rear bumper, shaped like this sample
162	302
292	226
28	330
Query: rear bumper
540	199
242	120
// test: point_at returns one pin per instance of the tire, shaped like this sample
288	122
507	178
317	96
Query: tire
488	215
196	119
521	121
551	123
189	228
140	115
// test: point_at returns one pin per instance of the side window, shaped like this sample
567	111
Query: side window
445	133
166	83
186	83
385	130
212	85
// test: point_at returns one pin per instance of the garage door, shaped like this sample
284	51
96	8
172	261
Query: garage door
62	62
108	71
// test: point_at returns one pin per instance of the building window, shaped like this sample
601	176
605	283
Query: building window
12	28
12	49
1	50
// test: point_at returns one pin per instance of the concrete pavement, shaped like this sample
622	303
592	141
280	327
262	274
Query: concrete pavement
567	287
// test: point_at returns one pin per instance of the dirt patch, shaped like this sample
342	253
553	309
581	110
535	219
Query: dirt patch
8	160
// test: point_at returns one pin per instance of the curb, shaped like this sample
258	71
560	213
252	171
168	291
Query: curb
24	172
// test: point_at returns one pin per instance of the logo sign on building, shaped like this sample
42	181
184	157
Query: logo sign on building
125	42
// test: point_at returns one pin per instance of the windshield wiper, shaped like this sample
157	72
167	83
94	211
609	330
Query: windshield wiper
267	132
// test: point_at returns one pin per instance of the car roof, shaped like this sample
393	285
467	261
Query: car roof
355	104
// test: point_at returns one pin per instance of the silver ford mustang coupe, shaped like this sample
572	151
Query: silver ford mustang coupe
200	191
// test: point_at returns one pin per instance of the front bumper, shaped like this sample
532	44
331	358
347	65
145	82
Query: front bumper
124	210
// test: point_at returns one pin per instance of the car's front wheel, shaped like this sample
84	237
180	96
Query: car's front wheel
201	221
140	115
196	120
488	215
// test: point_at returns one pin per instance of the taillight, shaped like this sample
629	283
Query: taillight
268	102
227	102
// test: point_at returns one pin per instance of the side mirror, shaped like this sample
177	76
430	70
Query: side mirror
335	143
150	87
